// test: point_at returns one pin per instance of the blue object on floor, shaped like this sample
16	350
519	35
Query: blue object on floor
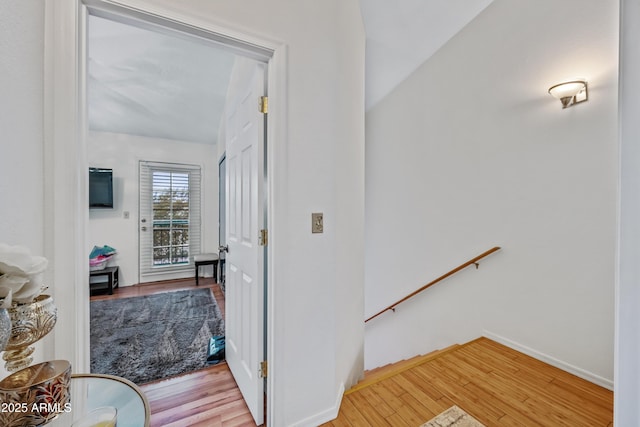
216	350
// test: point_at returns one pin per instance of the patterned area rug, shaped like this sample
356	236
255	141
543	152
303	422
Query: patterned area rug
453	417
152	337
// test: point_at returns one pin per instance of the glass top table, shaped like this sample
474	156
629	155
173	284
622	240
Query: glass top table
91	391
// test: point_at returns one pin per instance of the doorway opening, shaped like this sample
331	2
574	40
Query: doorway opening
133	100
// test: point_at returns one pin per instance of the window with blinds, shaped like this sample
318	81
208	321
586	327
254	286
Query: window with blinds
170	215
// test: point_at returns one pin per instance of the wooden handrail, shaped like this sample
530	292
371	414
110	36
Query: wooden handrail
473	261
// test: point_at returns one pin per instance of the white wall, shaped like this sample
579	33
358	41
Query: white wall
320	51
345	219
627	375
471	152
21	122
21	91
122	153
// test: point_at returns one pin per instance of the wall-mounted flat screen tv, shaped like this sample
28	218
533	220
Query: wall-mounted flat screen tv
100	188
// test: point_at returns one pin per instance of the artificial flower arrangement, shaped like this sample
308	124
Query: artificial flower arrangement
21	275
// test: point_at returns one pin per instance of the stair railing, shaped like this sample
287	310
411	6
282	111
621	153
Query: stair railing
473	261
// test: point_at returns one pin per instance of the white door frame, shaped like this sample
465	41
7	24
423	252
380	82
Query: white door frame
65	161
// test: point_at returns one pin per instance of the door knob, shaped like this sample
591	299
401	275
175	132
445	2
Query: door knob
223	249
144	229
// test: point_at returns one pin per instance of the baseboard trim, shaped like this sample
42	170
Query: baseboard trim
579	372
324	416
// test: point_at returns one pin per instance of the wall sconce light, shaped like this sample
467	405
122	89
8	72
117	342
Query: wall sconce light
570	93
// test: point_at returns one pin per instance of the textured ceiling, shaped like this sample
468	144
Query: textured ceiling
153	84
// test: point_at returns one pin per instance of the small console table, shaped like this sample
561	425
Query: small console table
105	279
206	259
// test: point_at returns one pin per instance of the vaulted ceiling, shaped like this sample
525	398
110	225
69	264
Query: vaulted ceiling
401	35
157	85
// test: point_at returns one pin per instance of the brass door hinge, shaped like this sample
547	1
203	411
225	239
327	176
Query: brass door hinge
263	238
264	369
264	104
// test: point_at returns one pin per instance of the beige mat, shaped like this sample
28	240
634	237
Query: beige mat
453	417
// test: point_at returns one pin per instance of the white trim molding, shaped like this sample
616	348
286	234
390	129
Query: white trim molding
66	196
560	364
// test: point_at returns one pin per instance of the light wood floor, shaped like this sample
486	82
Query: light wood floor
496	385
206	398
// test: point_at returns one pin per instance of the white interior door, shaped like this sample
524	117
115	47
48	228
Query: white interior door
245	218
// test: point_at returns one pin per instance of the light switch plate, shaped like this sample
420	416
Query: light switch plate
317	225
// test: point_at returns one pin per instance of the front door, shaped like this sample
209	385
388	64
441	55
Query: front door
244	220
169	219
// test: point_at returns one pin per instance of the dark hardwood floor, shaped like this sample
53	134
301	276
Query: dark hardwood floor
205	398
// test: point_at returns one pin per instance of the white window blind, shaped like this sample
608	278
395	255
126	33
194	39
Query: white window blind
170	216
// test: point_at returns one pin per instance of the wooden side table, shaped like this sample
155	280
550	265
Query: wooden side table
98	279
